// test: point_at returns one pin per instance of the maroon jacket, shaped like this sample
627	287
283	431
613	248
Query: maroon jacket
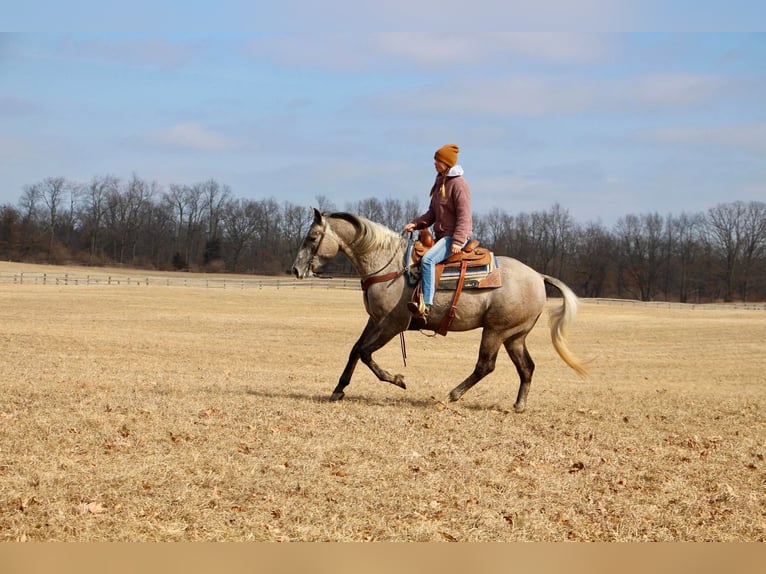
450	209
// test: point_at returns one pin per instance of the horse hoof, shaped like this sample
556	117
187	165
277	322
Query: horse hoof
399	382
519	408
453	396
337	396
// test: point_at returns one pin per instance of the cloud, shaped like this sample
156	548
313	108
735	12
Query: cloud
191	136
545	95
11	106
446	51
750	138
157	52
450	15
418	51
14	149
673	90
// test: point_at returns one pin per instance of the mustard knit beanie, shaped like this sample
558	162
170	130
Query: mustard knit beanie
447	154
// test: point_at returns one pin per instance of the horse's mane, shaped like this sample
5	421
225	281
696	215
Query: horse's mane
370	236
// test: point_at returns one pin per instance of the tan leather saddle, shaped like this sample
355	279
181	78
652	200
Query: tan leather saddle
473	268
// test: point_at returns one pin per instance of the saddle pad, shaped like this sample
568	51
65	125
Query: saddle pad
481	277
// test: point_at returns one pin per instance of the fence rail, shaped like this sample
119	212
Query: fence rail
676	305
39	278
245	282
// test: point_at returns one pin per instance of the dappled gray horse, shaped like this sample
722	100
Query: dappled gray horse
507	314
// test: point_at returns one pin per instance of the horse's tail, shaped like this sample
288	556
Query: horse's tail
560	319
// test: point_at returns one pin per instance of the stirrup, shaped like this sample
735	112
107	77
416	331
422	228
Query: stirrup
418	308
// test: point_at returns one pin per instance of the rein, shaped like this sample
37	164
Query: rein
372	278
380	279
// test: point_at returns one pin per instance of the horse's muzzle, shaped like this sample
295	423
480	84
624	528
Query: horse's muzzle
307	272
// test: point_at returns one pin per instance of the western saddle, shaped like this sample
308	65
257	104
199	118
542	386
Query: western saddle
473	268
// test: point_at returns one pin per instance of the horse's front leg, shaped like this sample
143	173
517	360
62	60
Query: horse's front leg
353	359
374	337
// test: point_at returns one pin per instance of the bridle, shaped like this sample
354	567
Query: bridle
315	250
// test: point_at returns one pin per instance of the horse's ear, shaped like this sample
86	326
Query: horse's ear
317	215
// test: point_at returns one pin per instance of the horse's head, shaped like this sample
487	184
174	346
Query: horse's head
319	246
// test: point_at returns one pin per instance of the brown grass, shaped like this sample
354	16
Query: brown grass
180	414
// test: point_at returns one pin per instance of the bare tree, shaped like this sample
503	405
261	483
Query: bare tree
724	225
214	197
125	207
51	194
10	236
325	204
239	224
393	214
30	217
371	208
411	210
639	248
521	239
593	258
497	224
554	229
753	242
685	253
93	207
188	204
296	221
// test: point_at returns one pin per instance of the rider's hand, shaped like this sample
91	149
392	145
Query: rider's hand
409	227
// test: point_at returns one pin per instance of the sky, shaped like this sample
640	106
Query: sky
602	123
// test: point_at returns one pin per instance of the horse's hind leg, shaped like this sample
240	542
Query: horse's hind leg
490	345
525	366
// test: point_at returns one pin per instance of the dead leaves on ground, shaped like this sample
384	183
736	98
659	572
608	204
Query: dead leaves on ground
91	508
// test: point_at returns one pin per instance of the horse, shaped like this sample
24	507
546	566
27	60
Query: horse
506	314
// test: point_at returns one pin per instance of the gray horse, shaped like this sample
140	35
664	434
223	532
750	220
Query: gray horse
506	314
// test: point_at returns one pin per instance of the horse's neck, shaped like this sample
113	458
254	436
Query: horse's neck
374	261
380	262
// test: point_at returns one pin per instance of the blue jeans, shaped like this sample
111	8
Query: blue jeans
438	253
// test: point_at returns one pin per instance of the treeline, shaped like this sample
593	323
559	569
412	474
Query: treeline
719	255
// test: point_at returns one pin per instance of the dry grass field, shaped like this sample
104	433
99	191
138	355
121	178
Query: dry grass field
156	413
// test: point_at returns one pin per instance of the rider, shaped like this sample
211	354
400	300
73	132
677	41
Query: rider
450	214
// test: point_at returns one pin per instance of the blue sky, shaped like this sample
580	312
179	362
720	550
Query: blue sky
605	124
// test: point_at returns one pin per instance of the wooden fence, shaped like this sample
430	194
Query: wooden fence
179	280
285	282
